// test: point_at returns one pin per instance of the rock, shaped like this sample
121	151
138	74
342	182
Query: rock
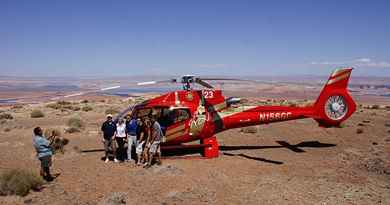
169	169
376	165
359	131
115	198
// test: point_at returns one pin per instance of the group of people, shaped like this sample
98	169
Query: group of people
142	133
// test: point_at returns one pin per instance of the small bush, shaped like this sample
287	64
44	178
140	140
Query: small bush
52	132
15	107
7	129
72	130
58	144
112	111
6	116
87	108
251	129
53	106
359	131
76	108
84	101
19	182
37	114
375	107
63	105
75	122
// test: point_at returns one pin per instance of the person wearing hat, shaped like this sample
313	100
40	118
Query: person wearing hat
109	132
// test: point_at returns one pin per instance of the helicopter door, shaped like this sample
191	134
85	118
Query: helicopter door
179	118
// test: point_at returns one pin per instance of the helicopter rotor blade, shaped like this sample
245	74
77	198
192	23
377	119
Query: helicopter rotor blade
227	79
84	93
157	82
203	83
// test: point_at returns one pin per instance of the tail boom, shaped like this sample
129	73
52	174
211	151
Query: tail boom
333	106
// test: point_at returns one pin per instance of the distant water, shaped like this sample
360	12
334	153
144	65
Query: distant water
7	101
386	95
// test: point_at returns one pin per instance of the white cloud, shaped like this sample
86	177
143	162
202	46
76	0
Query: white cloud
363	60
358	62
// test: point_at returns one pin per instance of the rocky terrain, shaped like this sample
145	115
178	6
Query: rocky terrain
294	162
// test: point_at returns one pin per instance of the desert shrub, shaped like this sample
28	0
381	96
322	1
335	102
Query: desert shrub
251	129
342	125
6	116
112	111
58	144
17	107
63	105
19	182
76	108
63	102
84	101
7	129
37	114
87	108
359	131
75	122
375	107
116	198
52	132
53	106
72	130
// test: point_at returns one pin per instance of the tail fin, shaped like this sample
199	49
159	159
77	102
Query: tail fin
334	104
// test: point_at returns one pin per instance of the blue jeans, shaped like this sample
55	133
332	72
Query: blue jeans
132	141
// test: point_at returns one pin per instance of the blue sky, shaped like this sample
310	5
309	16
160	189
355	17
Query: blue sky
199	37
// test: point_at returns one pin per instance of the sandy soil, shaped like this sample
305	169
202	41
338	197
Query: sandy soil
284	163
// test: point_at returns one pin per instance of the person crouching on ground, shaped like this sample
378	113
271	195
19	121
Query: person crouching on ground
109	130
120	137
44	153
131	130
154	149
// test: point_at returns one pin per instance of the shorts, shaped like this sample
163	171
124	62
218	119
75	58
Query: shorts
45	161
155	147
139	148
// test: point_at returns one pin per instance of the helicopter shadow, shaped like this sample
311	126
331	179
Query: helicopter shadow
282	144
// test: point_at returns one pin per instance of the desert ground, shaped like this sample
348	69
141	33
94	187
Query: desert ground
293	162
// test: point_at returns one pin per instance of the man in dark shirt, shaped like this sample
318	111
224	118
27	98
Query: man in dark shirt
109	130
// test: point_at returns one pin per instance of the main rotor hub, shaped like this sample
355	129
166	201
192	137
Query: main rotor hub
187	80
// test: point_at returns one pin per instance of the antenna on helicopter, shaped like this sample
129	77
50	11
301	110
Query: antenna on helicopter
189	80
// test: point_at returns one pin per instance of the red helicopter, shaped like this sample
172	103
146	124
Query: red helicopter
190	115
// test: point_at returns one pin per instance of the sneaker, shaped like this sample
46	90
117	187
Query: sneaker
107	160
116	160
147	166
49	178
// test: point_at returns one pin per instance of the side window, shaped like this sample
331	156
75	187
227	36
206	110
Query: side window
181	115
